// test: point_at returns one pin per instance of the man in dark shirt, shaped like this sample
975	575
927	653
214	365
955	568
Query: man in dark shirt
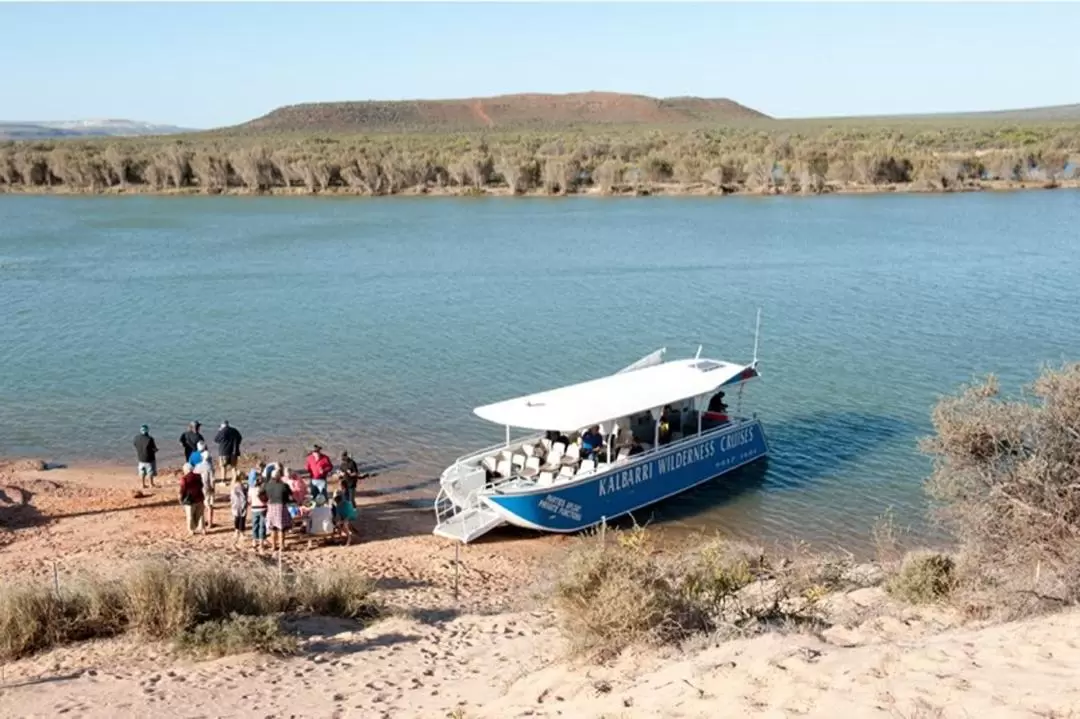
190	440
228	441
146	452
350	474
192	499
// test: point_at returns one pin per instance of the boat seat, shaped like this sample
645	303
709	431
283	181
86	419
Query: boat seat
546	444
587	465
532	467
528	450
545	479
559	448
566	472
489	463
518	460
505	468
573	452
624	454
505	455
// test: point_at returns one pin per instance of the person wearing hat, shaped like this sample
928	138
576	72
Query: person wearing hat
146	452
319	467
228	443
190	439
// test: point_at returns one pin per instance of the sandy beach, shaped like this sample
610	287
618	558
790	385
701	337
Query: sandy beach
492	649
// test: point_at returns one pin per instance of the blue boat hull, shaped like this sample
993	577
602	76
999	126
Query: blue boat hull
578	505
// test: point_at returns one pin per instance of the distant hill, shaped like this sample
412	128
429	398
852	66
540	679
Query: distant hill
83	128
504	112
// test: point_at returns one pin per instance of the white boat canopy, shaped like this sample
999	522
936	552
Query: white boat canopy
623	394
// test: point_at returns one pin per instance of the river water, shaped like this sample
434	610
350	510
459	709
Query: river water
378	324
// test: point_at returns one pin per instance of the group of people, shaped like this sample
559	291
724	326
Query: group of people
276	497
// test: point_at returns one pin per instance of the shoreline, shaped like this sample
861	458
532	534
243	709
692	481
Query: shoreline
473	636
645	190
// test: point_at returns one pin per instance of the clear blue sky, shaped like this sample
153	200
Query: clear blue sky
204	65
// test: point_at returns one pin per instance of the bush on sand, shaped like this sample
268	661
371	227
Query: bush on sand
1007	482
616	590
173	602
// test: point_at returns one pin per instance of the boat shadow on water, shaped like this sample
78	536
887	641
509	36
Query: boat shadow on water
802	451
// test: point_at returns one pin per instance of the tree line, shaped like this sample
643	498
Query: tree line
810	160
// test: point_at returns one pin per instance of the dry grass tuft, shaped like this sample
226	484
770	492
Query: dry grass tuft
166	601
616	590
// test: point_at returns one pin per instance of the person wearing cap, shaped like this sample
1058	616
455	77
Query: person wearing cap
228	443
190	439
203	465
319	467
146	452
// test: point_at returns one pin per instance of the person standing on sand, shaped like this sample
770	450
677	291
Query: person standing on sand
228	444
277	514
191	497
190	440
204	467
319	467
238	502
146	451
351	473
257	500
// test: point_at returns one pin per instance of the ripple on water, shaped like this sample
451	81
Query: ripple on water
379	324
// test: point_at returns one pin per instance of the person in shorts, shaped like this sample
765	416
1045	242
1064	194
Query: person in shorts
146	452
228	441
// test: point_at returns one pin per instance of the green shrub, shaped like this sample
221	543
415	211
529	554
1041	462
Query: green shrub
923	578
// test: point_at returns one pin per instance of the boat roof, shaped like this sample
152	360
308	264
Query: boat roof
622	394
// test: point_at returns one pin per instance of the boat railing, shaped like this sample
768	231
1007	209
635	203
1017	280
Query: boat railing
446	509
477	454
608	466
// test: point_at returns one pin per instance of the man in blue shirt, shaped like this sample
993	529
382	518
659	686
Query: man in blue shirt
591	441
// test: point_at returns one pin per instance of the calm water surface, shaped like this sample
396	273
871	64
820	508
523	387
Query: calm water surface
378	325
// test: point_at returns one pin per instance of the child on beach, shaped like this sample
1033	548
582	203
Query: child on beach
257	500
239	504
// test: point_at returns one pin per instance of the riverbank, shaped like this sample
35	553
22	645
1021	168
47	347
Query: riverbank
482	641
641	190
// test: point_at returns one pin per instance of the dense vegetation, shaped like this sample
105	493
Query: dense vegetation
754	156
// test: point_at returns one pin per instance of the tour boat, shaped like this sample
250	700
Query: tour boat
658	427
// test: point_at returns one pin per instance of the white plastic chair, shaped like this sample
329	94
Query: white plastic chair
489	463
546	479
559	448
518	460
624	454
532	467
567	472
573	453
546	443
505	468
587	465
528	449
554	458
